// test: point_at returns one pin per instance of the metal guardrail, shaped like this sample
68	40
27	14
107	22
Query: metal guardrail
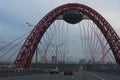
11	72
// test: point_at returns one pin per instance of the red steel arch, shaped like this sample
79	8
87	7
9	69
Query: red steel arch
26	53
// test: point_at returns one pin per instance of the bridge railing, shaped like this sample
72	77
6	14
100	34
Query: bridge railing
19	72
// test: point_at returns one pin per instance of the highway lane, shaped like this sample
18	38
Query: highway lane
82	75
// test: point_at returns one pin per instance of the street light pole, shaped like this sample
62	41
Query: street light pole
36	55
56	51
63	57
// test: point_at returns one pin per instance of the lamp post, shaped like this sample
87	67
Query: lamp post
36	58
56	51
29	25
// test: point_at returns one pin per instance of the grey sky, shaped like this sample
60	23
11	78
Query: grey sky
15	13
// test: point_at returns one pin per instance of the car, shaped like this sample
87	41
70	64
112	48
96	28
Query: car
54	71
19	69
68	72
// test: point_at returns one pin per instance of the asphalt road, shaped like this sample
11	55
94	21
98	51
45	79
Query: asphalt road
82	75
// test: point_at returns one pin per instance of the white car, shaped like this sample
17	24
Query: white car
54	71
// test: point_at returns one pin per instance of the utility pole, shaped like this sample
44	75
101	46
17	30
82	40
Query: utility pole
30	25
36	59
56	53
63	57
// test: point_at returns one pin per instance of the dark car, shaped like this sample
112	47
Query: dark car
68	72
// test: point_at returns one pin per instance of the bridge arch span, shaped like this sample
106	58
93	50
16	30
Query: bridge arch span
26	53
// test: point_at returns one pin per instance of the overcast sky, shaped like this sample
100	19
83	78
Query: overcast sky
15	13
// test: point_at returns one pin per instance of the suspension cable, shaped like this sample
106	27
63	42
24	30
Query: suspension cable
14	41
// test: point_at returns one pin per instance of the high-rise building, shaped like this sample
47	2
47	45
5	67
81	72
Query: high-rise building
54	59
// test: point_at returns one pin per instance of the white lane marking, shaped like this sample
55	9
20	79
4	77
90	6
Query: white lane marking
47	76
72	77
96	76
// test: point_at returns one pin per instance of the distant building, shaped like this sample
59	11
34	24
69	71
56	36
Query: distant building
53	59
90	62
82	61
